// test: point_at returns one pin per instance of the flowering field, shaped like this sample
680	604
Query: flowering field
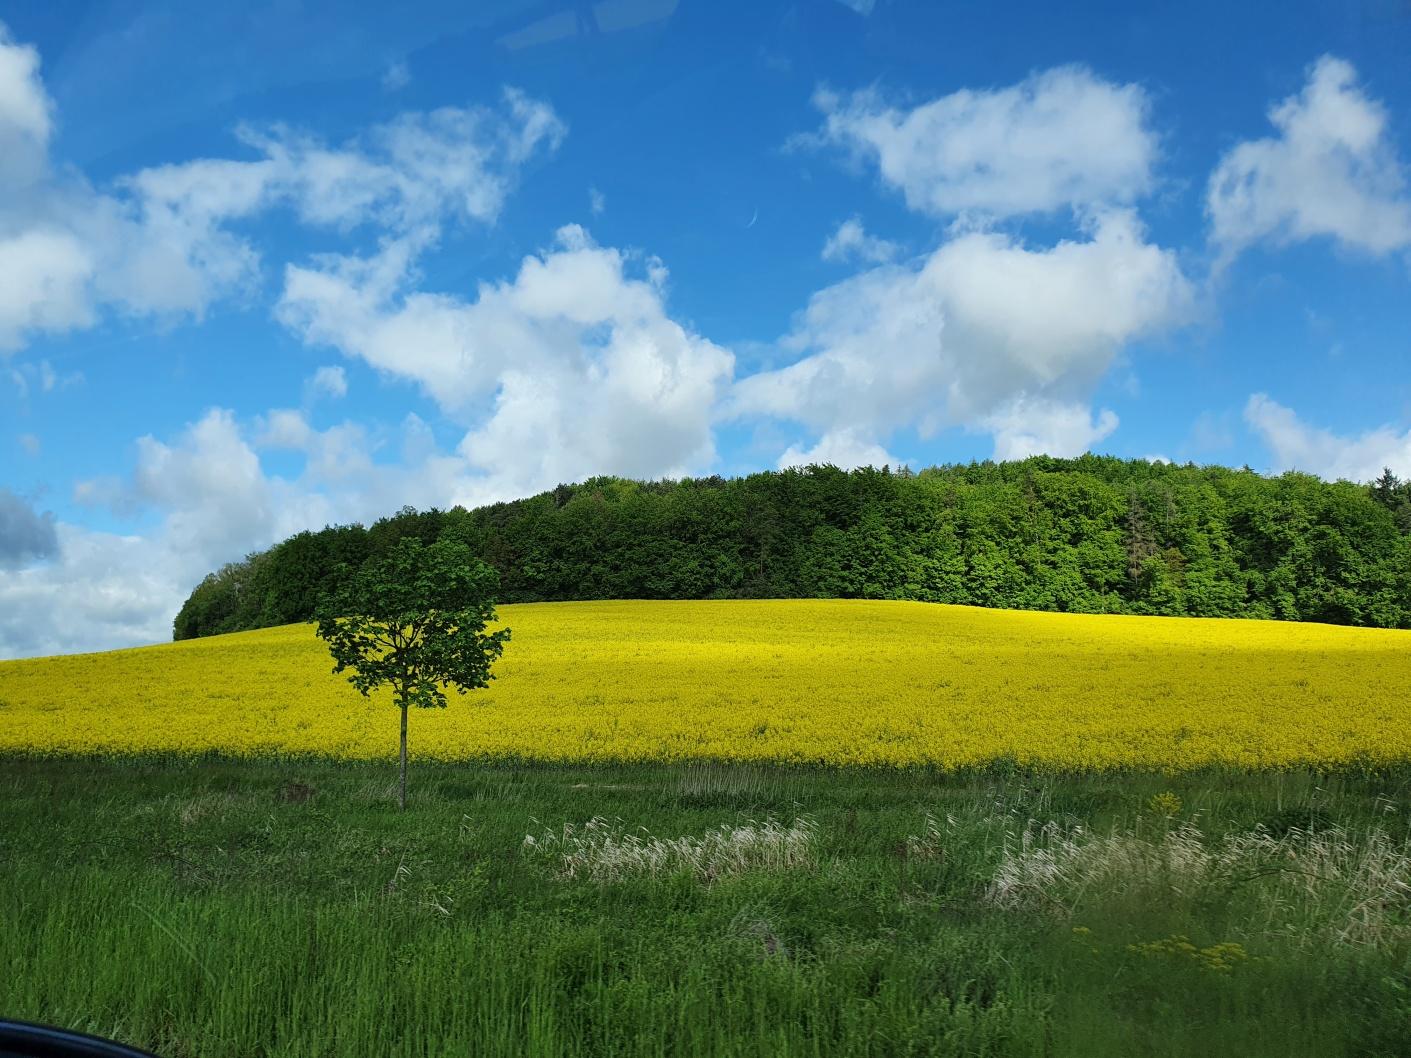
840	682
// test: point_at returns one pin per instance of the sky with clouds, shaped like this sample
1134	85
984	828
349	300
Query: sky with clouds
270	266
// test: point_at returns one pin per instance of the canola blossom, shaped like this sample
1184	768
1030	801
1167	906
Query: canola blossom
795	681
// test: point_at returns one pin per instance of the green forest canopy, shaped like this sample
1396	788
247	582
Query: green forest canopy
1094	534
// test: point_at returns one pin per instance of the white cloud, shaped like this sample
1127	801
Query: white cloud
597	202
160	242
839	448
25	115
955	338
284	428
46	284
412	171
30	443
212	486
328	381
850	240
175	255
161	246
1295	445
581	368
1330	171
1027	427
1060	138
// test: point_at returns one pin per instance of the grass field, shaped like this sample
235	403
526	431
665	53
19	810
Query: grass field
724	828
235	908
832	682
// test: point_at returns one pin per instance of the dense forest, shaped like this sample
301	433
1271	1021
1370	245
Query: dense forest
1091	535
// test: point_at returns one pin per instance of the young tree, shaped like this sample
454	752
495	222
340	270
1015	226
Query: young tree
414	619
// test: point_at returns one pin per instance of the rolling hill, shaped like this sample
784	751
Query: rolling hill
796	681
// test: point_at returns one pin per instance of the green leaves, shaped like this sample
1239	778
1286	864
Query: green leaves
1092	534
414	619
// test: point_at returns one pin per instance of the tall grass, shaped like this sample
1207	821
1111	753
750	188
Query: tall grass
1335	886
277	908
605	850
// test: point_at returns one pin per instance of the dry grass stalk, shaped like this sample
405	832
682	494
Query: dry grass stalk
604	851
1325	885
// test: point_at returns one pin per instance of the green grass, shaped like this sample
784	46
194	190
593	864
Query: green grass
222	908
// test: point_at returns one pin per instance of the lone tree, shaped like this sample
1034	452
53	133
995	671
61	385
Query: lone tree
414	619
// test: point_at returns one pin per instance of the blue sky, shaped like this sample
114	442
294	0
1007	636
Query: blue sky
273	265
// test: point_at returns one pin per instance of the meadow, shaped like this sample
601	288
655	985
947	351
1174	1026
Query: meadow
792	828
229	908
790	681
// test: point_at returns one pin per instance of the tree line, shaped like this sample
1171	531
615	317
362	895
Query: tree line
1094	534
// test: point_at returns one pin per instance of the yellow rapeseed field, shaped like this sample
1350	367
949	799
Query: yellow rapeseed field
843	682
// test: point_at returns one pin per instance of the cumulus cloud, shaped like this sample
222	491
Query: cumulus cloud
851	241
1330	171
957	338
162	242
986	332
412	171
212	487
328	381
1028	427
1061	138
25	534
575	362
1295	445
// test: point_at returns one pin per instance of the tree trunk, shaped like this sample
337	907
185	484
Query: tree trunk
404	757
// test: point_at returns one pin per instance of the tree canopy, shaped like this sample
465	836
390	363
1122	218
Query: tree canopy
1093	534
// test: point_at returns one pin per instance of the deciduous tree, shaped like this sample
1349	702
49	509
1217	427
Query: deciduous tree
414	619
